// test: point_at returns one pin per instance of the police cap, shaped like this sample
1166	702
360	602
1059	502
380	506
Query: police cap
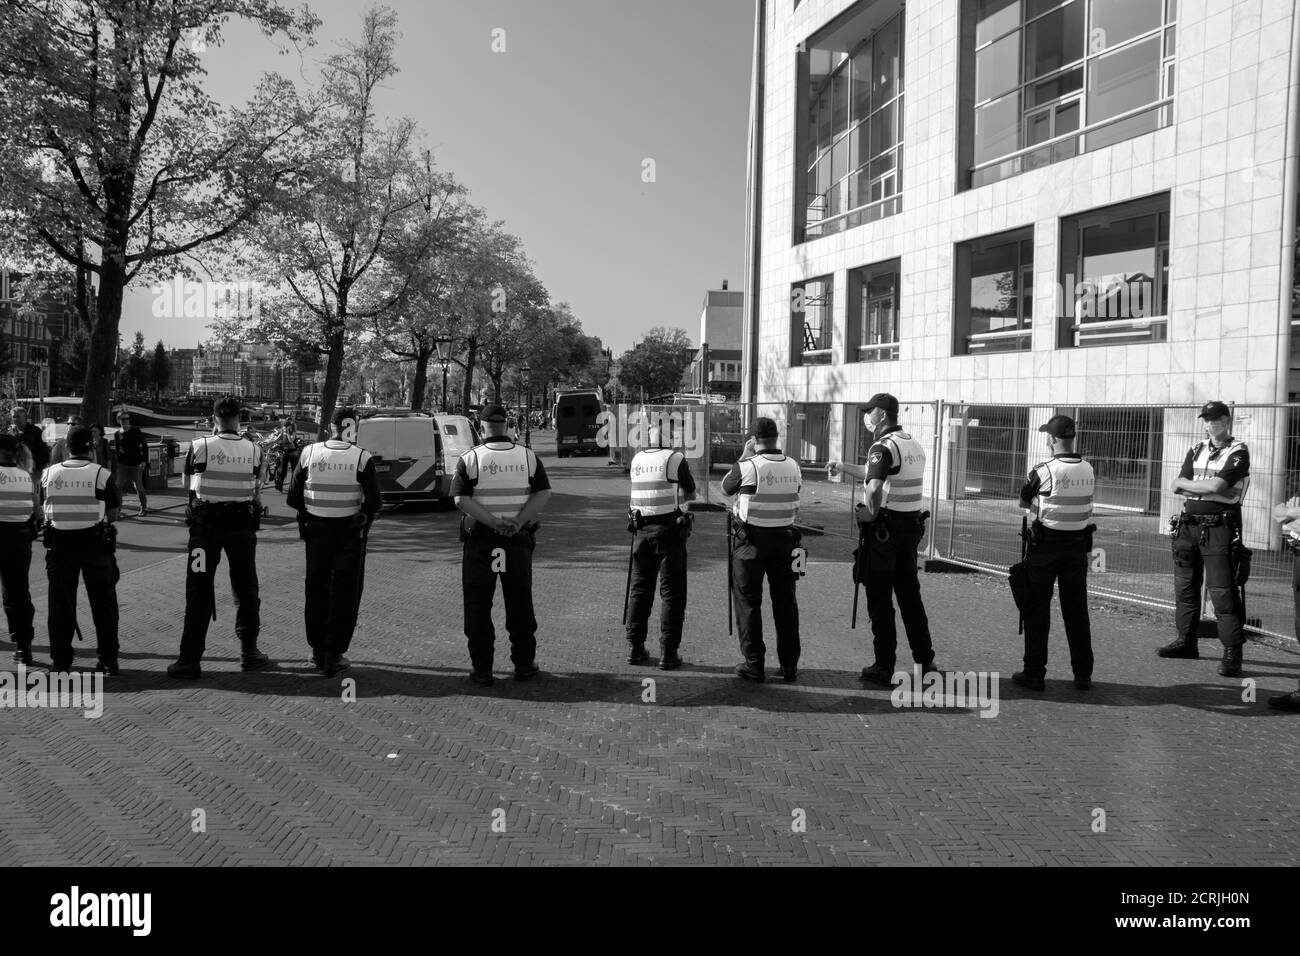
8	444
885	401
1212	410
764	428
1059	426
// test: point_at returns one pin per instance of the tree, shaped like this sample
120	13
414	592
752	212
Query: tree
375	211
137	364
74	351
113	158
160	370
657	362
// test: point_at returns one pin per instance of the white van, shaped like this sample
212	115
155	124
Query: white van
415	454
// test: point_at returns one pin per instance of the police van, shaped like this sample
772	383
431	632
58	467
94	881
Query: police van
415	454
577	423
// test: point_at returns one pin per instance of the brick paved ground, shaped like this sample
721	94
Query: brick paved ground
584	771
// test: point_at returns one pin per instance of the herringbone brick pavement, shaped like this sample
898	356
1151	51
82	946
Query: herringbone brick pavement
577	768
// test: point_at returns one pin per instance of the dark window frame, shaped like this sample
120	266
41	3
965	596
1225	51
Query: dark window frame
801	335
857	346
1020	339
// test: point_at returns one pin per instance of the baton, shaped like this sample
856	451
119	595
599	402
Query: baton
857	573
1024	547
627	590
67	600
730	585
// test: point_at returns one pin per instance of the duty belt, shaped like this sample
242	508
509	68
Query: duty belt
670	518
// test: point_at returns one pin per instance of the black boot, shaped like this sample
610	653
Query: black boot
637	654
1231	664
23	654
1184	647
252	659
1289	701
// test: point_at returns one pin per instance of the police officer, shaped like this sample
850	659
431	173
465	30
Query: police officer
1287	514
19	515
501	487
336	491
1060	540
765	485
892	524
81	504
224	514
1207	538
661	482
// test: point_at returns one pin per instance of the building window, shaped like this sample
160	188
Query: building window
1115	273
810	322
851	128
1054	79
994	293
873	313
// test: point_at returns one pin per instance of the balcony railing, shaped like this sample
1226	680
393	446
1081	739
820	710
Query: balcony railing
1061	147
1121	331
871	212
880	352
1007	340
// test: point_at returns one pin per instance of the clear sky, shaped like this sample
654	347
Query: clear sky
550	137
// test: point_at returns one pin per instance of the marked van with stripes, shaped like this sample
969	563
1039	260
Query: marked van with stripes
415	454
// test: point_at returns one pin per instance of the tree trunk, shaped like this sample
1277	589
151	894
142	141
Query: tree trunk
333	375
471	356
102	354
421	384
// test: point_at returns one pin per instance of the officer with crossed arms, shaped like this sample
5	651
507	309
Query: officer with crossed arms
764	486
224	514
892	525
20	510
81	504
501	487
661	481
336	491
1207	539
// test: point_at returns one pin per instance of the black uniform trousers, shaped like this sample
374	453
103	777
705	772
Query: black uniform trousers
71	557
1203	554
658	551
1295	589
15	565
891	572
287	463
336	575
487	554
1059	556
236	537
761	552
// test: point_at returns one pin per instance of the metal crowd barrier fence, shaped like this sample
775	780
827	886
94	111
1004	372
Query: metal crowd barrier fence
986	452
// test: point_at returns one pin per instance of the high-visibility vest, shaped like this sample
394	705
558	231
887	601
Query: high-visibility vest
333	485
775	501
1066	505
232	466
653	490
16	494
502	475
70	487
902	491
1208	462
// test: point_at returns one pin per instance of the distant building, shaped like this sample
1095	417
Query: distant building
27	328
257	372
720	330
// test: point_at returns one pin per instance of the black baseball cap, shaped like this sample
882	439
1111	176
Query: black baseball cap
1059	426
764	428
494	413
1213	410
8	444
885	401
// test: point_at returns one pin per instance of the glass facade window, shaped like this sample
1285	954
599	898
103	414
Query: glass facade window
994	293
1115	270
853	132
1064	76
873	327
810	322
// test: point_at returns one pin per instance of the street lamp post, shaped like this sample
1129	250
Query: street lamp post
443	345
528	406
